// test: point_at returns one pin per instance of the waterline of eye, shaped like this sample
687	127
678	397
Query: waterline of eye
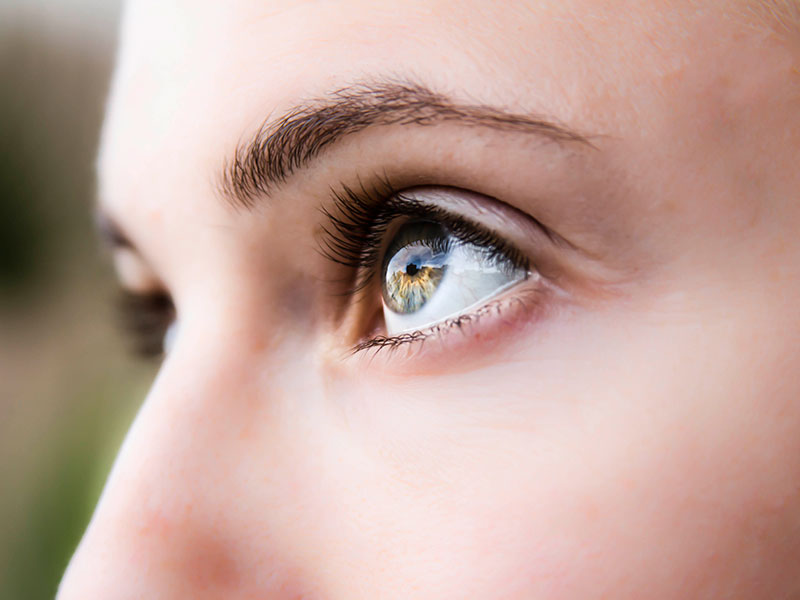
392	318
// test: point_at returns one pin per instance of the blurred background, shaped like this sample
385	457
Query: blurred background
68	389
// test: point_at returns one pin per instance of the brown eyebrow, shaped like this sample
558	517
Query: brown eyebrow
282	146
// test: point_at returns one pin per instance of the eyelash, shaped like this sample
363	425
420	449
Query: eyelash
356	238
361	218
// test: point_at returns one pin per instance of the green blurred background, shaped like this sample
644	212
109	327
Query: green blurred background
68	390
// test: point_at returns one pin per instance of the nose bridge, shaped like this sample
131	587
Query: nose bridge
169	516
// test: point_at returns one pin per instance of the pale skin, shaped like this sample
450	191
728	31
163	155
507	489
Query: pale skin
633	432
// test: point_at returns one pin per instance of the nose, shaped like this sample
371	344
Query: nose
193	507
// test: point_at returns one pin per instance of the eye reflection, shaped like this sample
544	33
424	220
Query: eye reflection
430	275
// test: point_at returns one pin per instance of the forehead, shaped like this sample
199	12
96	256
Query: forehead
194	78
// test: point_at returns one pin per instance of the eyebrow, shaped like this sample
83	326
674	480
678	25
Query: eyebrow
282	146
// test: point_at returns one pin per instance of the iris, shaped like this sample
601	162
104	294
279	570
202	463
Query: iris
416	267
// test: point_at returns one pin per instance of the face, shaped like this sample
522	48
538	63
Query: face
463	299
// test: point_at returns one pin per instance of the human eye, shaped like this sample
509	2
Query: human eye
425	262
144	308
148	320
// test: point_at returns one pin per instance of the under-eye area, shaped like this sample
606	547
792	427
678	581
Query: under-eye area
494	320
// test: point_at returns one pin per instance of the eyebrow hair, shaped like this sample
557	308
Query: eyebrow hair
282	146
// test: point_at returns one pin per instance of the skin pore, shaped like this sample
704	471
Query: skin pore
621	423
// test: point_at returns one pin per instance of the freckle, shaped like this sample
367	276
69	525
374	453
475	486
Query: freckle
257	345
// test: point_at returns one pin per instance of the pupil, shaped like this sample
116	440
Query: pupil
411	269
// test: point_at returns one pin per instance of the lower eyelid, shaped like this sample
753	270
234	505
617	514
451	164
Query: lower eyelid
495	325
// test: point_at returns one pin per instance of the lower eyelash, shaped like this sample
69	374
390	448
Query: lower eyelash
527	302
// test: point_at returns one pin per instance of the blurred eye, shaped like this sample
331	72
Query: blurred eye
430	275
149	319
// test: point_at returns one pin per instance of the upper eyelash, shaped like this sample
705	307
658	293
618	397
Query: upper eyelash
355	229
360	219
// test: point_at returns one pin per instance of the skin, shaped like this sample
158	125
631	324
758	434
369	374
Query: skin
635	434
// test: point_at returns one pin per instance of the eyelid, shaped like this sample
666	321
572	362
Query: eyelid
490	330
520	232
554	257
132	265
134	273
487	212
360	218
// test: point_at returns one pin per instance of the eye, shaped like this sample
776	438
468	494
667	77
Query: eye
430	274
424	262
149	319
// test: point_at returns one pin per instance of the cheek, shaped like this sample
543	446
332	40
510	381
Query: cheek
662	462
617	455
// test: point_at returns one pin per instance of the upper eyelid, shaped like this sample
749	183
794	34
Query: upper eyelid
361	219
114	237
468	230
